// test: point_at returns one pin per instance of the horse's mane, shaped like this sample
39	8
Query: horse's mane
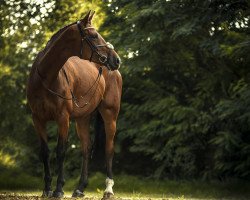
50	43
55	36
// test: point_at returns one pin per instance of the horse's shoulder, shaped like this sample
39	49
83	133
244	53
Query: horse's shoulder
76	61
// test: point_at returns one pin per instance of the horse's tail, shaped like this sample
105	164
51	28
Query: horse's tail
98	148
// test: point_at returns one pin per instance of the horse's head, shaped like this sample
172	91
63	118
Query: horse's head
94	47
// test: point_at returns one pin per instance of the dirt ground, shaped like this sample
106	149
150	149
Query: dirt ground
15	196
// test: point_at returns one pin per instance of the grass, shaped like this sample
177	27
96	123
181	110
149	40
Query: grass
134	187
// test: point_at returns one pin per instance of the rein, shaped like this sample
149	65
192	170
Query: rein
102	58
73	97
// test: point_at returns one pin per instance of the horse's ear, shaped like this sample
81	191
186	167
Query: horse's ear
85	20
91	16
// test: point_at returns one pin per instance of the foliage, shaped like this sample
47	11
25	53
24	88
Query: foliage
14	179
21	36
186	85
185	106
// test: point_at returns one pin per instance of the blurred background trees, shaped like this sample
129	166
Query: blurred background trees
185	109
186	96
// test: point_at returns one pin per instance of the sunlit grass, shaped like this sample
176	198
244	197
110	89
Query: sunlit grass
130	187
136	188
89	196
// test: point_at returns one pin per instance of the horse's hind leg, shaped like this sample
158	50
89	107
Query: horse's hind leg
63	126
40	127
82	127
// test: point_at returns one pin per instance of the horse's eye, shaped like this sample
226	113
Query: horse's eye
94	36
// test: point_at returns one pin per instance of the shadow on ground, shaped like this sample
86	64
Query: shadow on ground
15	196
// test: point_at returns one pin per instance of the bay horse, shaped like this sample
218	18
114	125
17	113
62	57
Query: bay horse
73	76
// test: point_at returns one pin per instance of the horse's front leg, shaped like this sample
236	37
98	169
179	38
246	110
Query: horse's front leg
109	117
40	128
110	129
63	126
82	128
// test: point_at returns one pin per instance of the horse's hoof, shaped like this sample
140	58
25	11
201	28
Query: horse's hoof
107	195
47	194
58	194
77	193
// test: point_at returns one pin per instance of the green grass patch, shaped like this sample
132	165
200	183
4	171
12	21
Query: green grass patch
134	187
147	188
13	179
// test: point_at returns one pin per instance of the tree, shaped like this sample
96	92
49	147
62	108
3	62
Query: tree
181	60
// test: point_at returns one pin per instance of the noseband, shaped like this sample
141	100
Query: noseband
94	48
102	58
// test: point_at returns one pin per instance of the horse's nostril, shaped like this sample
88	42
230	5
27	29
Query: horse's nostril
118	61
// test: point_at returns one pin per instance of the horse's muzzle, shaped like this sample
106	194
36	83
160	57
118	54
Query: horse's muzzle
114	62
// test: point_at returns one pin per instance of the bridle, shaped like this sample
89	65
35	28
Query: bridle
94	48
102	58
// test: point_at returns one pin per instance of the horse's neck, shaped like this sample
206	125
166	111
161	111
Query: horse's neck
54	58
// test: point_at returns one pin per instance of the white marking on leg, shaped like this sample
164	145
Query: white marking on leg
109	186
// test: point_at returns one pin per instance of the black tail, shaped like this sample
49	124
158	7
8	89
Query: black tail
98	148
